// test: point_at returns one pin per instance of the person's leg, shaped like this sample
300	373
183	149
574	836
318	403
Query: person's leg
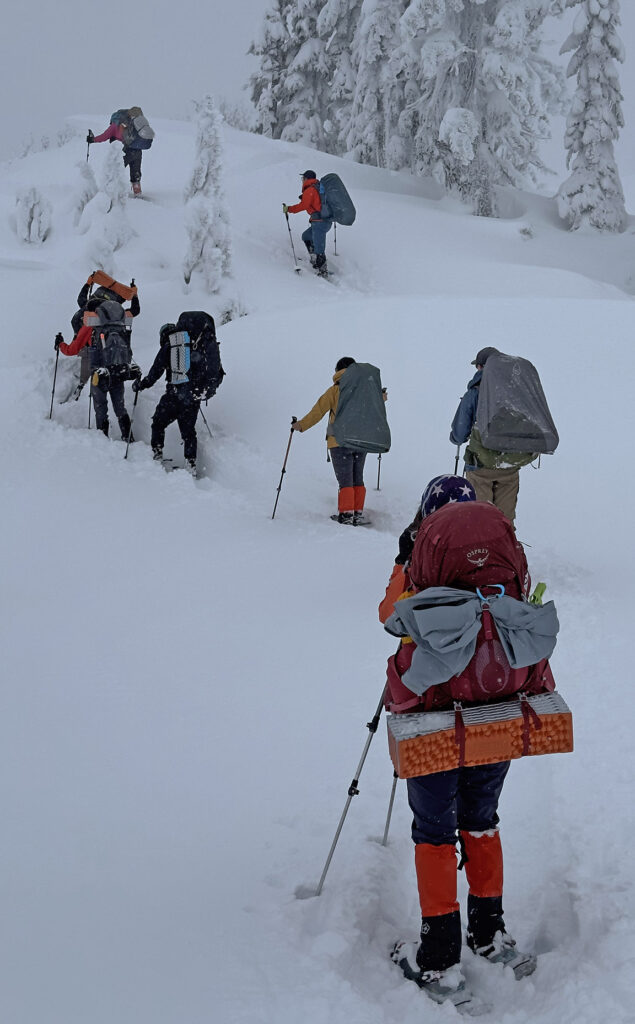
307	238
359	496
478	795
99	394
432	799
188	412
117	397
342	459
164	414
132	160
506	492
482	481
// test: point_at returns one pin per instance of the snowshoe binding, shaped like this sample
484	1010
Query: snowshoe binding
345	518
441	986
502	950
359	519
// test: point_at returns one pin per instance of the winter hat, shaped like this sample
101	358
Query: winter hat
483	356
309	174
444	490
165	331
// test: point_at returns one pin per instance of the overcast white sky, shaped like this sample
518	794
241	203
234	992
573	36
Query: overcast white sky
75	57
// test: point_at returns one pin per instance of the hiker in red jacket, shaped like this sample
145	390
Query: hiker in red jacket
315	235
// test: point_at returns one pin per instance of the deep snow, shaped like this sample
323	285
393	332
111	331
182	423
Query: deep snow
187	682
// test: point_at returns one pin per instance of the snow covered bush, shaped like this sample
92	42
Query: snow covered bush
32	216
87	190
593	192
206	215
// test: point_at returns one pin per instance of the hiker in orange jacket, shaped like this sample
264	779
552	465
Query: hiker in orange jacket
315	235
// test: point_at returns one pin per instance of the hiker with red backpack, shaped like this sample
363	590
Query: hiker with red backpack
505	419
357	425
464	553
320	222
131	128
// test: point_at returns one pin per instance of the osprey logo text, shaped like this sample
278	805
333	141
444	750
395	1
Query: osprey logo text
478	556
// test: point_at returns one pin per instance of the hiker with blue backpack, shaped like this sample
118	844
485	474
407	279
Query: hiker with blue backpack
326	201
357	425
131	128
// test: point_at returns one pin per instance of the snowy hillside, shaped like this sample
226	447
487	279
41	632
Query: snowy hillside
187	683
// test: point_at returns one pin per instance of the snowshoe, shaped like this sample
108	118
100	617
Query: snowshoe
441	986
345	518
359	519
502	950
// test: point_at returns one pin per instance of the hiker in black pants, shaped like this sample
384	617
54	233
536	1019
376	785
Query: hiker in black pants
190	358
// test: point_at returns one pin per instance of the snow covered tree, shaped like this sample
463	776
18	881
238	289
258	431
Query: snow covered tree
32	216
87	190
336	26
274	47
372	135
593	192
485	92
105	217
206	216
304	103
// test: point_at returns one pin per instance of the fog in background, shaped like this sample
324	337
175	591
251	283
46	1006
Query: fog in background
89	58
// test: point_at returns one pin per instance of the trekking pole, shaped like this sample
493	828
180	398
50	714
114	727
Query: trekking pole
295	258
334	238
90	402
352	789
456	461
134	406
378	470
206	424
395	777
294	419
57	356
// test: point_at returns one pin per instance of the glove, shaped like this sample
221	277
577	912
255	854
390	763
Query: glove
90	137
134	371
99	375
285	209
139	385
406	544
59	340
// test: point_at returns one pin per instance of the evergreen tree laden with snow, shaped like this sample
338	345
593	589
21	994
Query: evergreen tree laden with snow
304	104
377	102
274	48
485	92
336	27
105	217
206	216
33	216
593	192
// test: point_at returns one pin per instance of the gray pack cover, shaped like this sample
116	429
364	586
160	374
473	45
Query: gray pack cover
512	413
444	623
337	200
360	420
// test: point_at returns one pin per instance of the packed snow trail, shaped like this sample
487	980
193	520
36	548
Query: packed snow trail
188	682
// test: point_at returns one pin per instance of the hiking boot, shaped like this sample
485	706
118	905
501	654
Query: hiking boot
320	265
446	986
136	188
502	950
345	518
157	454
309	247
190	465
359	519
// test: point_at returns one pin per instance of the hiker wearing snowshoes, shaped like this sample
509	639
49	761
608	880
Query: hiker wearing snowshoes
189	355
506	422
131	128
107	288
319	222
357	425
106	335
467	551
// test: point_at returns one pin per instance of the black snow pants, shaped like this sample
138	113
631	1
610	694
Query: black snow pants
132	159
178	403
113	386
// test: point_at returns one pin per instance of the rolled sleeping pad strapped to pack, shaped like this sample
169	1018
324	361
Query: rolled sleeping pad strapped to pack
337	200
437	741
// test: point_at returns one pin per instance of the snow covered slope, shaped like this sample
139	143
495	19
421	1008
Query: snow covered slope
187	682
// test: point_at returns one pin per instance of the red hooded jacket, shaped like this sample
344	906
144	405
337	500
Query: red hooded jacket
309	200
